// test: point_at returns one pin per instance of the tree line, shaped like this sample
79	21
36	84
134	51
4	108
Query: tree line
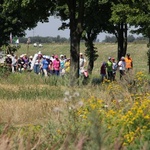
130	39
85	19
48	39
59	39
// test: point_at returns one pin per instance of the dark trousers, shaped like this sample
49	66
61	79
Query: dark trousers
122	73
57	72
110	75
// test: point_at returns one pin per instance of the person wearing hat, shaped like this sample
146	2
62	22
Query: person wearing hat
82	63
56	65
62	65
109	65
122	66
21	63
14	63
45	65
129	62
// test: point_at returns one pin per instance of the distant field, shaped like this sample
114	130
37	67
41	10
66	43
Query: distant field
137	51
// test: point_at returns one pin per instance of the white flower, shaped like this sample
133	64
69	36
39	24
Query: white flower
67	93
106	106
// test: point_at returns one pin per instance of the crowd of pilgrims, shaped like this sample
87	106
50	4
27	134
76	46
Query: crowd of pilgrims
42	64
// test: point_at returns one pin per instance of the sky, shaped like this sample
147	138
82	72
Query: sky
51	29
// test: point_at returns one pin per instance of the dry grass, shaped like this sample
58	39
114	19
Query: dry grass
16	88
20	112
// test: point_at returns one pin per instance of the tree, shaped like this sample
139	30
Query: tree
140	17
87	17
17	16
74	11
119	19
95	22
134	13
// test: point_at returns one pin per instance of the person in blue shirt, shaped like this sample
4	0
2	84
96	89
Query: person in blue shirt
45	65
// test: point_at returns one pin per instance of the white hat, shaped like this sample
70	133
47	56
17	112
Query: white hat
44	56
8	55
81	53
122	58
39	53
47	57
109	58
61	55
21	55
31	57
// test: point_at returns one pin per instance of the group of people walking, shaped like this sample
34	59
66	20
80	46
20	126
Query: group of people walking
43	64
54	65
39	63
108	69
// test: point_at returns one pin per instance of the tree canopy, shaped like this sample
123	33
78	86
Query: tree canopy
17	16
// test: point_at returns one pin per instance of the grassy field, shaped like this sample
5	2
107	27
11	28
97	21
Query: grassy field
45	113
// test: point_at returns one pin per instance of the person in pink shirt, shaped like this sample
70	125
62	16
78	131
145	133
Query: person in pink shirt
56	65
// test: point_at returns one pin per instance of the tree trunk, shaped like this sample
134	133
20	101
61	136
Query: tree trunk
74	57
76	22
122	40
90	51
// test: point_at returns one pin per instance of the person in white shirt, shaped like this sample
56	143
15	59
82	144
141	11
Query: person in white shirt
82	63
122	66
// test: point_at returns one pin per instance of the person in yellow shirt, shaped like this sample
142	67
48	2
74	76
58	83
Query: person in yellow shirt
129	62
67	66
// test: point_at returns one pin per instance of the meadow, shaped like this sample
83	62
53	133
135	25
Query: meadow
47	114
